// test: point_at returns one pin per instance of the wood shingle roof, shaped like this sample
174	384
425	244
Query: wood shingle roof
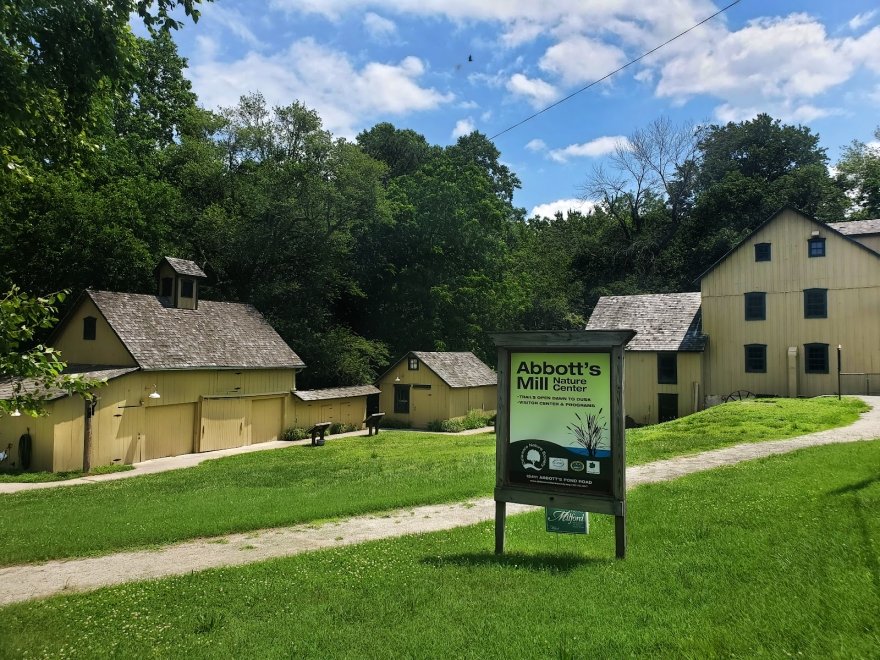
857	227
462	369
662	321
184	267
336	392
90	372
216	335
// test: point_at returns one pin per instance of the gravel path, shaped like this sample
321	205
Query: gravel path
20	583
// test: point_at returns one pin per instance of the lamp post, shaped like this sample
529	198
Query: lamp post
838	372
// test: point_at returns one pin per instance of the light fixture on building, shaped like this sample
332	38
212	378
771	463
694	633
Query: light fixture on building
155	393
15	413
815	232
397	380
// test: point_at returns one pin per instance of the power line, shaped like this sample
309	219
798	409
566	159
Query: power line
618	70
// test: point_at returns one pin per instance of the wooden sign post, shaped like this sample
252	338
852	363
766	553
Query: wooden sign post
560	424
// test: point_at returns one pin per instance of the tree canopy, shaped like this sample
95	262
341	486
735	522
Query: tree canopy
355	251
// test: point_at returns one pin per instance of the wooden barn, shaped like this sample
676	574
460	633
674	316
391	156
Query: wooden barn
423	387
663	370
183	375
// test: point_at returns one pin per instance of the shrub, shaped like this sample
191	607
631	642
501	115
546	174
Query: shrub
339	427
474	419
453	425
294	433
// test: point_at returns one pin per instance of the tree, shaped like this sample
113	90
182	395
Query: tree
747	172
32	371
858	175
61	63
402	150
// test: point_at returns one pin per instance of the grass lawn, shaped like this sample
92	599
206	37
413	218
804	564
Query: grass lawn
42	477
771	558
344	478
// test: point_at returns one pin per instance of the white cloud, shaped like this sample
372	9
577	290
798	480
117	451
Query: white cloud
323	79
550	209
379	28
538	92
232	20
579	59
776	65
859	21
463	127
536	145
601	146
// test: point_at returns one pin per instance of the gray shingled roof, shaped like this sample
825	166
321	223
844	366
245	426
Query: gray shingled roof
857	227
215	335
184	267
662	321
336	392
458	369
84	371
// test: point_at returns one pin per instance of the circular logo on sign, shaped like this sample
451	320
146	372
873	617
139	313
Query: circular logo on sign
577	466
533	457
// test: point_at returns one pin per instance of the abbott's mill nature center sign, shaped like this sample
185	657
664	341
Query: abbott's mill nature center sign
560	430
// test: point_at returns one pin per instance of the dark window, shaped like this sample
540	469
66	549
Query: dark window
756	306
186	288
762	251
816	247
421	387
815	303
167	284
667	368
756	358
401	399
90	328
413	364
816	358
667	407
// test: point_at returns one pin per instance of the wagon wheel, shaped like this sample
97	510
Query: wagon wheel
739	395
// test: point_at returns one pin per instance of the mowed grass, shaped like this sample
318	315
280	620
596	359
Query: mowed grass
43	477
346	477
733	423
772	558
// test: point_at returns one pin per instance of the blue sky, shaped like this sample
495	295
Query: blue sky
445	67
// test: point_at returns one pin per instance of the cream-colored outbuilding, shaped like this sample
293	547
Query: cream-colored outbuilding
423	387
183	375
663	363
343	405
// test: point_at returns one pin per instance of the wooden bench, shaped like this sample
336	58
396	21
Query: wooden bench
318	431
372	422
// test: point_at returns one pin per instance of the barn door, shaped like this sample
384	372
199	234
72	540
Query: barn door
223	424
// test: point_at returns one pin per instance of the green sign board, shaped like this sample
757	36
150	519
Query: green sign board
559	429
560	421
566	521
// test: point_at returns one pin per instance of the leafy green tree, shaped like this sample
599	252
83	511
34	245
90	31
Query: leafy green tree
402	150
858	175
32	371
61	63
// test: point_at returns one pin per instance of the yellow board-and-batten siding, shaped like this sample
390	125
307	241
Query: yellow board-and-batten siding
642	386
849	272
431	398
105	349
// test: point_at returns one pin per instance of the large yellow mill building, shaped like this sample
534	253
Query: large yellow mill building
771	314
182	375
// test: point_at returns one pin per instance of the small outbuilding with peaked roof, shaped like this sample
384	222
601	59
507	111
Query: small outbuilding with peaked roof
423	387
664	361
